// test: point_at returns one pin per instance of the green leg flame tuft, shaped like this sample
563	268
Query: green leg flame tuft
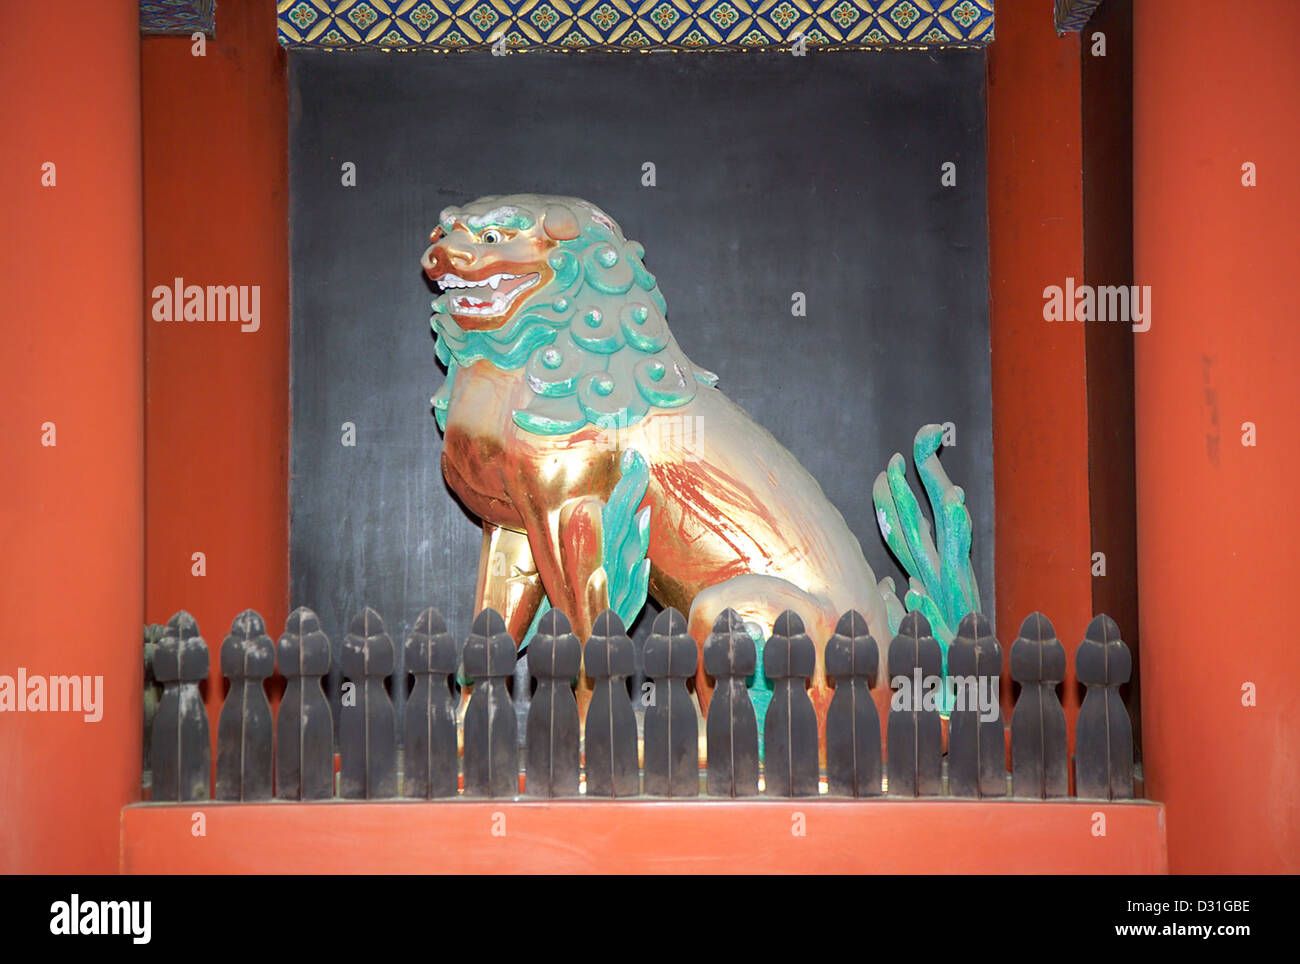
759	686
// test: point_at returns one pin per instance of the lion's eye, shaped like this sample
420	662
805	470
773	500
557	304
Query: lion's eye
491	236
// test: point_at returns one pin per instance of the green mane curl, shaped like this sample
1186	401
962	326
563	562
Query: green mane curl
594	343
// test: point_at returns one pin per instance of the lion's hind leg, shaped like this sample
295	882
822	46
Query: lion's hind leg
759	600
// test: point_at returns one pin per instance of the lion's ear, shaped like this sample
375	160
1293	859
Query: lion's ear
560	223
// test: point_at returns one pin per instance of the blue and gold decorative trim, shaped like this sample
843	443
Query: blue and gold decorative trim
633	25
1072	15
177	17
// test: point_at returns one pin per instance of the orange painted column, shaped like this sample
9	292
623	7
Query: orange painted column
1040	416
1218	537
215	144
71	492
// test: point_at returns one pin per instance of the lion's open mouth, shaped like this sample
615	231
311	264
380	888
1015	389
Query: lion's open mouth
488	296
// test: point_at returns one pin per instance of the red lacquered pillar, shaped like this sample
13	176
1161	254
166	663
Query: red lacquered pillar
71	492
1218	529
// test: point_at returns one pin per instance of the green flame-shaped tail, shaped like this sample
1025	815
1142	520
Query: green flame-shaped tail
941	581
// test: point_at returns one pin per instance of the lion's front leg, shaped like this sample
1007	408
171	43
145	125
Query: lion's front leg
508	580
566	544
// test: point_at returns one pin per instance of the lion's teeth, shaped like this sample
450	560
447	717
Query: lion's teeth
494	282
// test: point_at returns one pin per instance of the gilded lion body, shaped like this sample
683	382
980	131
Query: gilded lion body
533	446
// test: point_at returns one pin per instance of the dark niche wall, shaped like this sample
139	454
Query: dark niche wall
773	175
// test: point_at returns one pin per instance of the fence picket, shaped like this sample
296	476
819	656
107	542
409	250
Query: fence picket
672	730
731	729
304	730
491	744
914	735
244	728
429	723
367	723
181	753
1103	737
552	728
610	730
977	747
1039	766
790	726
853	764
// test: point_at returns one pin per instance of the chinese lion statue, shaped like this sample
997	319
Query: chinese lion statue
570	410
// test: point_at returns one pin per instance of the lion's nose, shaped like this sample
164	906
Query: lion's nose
447	257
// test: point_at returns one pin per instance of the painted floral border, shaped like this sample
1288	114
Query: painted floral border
633	25
177	16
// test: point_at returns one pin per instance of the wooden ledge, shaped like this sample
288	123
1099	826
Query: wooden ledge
646	836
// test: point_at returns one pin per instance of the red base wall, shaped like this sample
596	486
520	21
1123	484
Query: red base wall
727	837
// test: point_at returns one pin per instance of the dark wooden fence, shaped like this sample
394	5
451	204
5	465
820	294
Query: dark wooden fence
528	742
